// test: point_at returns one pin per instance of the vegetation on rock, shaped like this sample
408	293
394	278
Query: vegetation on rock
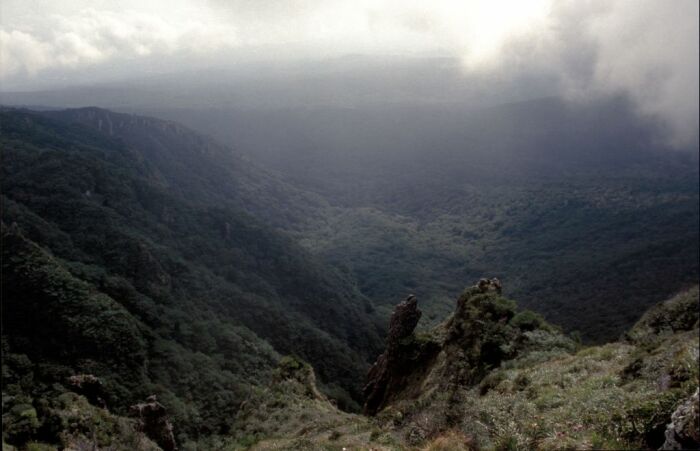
141	261
539	391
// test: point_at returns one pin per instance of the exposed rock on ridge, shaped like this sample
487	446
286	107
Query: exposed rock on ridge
683	432
154	423
389	372
465	346
89	386
491	377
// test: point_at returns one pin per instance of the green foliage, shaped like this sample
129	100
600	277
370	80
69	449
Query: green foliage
290	365
527	320
20	422
589	253
679	313
137	255
488	333
645	420
147	258
35	446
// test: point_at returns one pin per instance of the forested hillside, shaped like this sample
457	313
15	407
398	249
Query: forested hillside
127	254
349	226
162	263
556	198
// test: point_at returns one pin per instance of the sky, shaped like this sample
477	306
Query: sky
644	49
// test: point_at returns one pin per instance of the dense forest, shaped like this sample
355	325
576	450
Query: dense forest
554	197
159	262
333	225
138	265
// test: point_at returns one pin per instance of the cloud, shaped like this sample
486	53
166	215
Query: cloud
651	52
645	49
21	51
89	37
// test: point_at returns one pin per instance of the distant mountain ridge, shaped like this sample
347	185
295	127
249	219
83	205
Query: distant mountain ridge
197	166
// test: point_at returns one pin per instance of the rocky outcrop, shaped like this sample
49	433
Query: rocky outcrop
154	423
90	387
403	322
402	356
683	432
486	285
458	353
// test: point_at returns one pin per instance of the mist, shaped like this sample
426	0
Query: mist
269	54
217	214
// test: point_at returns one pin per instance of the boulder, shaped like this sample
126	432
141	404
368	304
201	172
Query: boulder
683	432
486	285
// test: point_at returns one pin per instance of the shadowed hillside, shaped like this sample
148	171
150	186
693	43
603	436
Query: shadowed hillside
127	254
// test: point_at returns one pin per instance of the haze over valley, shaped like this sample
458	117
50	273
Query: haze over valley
211	211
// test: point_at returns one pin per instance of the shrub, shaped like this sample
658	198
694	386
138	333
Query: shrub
491	381
527	320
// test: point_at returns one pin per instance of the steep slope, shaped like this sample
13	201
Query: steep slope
491	378
200	169
120	263
554	197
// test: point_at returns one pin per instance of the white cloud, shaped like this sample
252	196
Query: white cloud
90	37
652	53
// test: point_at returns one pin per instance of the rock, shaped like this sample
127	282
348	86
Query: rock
486	285
403	321
406	361
683	432
154	423
89	386
388	367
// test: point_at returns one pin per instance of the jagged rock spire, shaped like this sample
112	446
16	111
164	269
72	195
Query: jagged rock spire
402	324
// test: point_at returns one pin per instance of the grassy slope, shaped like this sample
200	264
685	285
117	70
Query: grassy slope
616	396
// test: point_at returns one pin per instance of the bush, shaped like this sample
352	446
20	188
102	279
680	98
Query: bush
491	381
527	320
